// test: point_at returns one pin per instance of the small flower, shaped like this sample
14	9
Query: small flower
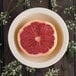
55	6
30	69
72	44
71	24
70	10
0	44
27	2
12	69
41	1
3	18
52	72
75	16
55	10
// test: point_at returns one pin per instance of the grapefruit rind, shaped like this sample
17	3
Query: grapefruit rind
39	54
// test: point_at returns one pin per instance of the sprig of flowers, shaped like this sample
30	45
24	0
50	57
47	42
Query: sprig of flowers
70	10
52	72
71	24
4	18
12	69
18	4
31	70
27	2
5	15
71	49
55	5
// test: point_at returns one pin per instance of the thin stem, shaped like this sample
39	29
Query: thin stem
32	74
17	5
1	61
9	5
20	74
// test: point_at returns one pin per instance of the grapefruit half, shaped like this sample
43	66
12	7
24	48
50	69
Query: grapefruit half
37	38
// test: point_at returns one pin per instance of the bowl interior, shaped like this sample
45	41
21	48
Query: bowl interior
42	17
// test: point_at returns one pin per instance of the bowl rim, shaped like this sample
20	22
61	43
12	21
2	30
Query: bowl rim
20	18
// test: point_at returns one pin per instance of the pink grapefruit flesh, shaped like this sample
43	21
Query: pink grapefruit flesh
37	38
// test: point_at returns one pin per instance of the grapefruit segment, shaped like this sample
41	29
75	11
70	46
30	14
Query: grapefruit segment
37	38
